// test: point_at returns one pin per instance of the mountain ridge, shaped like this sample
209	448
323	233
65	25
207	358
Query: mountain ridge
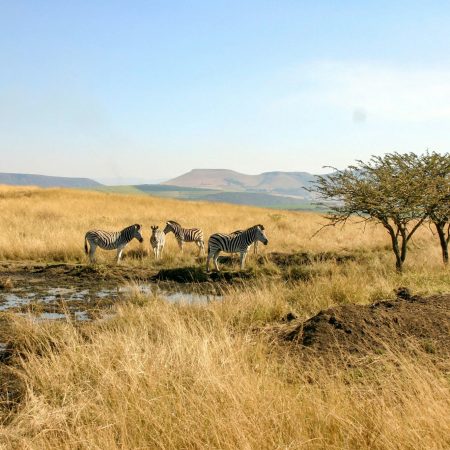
274	182
25	179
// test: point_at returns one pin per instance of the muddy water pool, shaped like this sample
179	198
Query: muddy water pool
82	292
85	303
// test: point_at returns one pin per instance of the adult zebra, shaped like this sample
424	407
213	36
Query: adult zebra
111	240
255	244
237	243
186	235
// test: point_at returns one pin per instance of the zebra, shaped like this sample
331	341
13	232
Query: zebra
157	241
111	240
186	235
231	244
255	244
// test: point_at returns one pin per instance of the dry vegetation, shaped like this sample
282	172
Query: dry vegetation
50	224
159	375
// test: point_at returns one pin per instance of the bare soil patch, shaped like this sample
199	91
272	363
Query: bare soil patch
362	330
198	275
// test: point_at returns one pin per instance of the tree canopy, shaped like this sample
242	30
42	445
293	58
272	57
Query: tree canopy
399	191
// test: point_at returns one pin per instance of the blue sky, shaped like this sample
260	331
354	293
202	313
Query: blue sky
152	89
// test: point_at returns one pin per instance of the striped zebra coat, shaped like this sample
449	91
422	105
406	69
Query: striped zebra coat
234	243
111	240
157	241
255	244
183	235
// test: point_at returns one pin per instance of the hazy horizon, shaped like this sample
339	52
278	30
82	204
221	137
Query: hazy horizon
117	181
151	90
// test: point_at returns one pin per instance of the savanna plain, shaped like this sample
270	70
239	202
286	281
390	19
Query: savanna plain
248	369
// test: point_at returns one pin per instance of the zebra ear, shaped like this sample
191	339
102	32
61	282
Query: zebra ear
138	227
261	226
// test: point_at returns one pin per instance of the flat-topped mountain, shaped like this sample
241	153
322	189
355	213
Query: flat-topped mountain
286	183
23	179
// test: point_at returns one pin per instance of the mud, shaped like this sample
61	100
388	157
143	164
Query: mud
198	275
83	292
362	330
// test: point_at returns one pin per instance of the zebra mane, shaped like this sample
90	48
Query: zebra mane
173	222
261	227
136	225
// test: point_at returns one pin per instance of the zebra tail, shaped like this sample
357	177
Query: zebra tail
85	246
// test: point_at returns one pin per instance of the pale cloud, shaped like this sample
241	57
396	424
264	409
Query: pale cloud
369	91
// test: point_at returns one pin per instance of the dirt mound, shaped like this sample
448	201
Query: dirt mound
198	275
89	272
366	329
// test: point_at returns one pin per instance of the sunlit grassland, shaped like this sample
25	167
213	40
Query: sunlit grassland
160	375
172	376
49	224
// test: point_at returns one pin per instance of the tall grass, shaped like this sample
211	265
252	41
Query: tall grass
50	224
159	375
166	376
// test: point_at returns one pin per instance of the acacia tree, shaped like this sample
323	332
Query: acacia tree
435	172
385	190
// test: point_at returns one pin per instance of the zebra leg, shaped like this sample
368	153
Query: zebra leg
255	248
155	252
92	252
211	255
200	246
243	256
180	244
119	254
215	258
207	262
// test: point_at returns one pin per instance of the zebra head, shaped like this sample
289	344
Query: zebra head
260	235
154	229
137	232
171	225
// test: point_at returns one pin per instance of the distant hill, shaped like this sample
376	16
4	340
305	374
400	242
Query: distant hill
281	190
22	179
215	195
280	183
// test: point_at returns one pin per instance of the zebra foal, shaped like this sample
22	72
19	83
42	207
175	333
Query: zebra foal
183	235
111	240
157	241
234	243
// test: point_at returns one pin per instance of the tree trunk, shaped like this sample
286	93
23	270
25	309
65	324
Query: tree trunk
440	227
396	248
404	244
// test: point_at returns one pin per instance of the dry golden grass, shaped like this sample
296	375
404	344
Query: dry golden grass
159	375
165	376
50	224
